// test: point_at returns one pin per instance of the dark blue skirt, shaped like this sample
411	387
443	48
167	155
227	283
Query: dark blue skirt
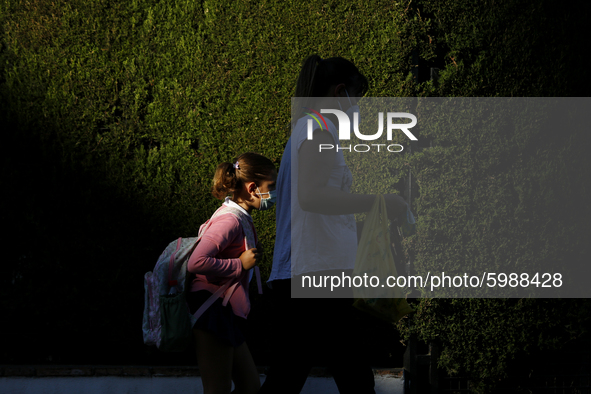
217	319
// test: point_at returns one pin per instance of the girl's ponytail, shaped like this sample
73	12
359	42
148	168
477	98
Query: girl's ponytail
305	88
248	167
305	84
225	181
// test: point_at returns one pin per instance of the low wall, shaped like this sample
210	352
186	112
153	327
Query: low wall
30	379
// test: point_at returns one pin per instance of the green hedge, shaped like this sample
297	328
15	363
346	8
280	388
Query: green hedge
116	114
514	193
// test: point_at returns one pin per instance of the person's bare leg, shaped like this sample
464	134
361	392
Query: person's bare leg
215	361
244	371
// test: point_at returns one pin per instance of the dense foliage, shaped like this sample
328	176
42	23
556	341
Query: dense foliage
115	115
511	196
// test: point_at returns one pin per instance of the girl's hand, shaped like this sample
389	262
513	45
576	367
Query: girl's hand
249	258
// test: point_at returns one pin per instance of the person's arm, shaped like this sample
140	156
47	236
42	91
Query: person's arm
221	234
314	167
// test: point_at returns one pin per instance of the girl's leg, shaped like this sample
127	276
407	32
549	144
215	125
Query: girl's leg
215	361
244	372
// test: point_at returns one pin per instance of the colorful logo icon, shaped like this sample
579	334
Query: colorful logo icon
316	118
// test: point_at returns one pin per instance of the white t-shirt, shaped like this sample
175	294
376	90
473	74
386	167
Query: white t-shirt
308	242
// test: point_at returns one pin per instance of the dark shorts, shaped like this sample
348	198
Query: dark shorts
217	319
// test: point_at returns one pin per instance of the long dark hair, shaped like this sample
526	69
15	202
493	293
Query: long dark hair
318	75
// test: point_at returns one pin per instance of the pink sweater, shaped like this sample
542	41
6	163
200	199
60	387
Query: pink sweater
216	259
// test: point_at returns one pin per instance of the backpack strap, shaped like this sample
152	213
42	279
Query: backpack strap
173	282
212	299
250	241
257	273
229	293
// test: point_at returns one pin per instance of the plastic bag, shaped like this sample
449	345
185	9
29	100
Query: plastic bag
374	258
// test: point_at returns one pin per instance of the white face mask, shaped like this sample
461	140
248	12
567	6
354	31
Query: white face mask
267	203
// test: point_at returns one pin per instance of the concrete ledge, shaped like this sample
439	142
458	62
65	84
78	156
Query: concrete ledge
141	371
111	379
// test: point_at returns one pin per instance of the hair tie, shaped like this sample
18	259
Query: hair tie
236	166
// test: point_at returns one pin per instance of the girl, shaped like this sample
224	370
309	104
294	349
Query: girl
225	255
316	233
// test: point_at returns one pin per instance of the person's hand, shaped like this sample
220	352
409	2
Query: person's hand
249	258
396	207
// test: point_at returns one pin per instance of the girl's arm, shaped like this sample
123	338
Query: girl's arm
224	235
